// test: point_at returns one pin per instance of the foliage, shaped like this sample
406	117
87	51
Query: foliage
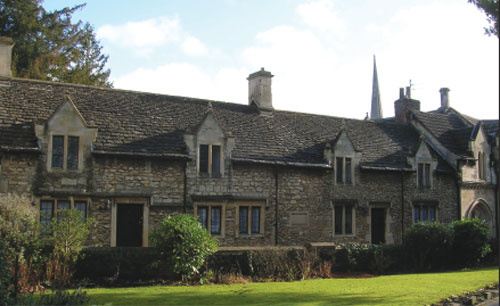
408	289
119	266
471	241
368	258
427	246
67	234
49	46
184	244
4	273
19	230
59	297
490	8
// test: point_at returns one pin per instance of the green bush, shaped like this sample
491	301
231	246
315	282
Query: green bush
368	258
427	246
184	244
471	242
67	235
120	266
20	232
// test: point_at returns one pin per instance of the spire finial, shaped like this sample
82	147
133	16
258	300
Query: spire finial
376	111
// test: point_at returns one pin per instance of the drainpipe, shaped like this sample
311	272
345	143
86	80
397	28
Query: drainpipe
276	191
402	206
459	199
184	204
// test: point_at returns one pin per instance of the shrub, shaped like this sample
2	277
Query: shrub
427	246
471	241
4	273
368	258
59	297
67	235
119	266
184	244
19	230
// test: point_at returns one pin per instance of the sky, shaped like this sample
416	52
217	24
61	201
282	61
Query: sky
320	52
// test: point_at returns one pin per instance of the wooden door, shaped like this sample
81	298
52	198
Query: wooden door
378	225
129	225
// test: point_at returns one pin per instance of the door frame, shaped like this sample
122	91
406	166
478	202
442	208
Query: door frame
145	217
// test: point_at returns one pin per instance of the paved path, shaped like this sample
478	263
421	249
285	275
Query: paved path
492	302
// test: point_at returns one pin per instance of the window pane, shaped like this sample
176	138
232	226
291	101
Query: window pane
424	213
348	171
348	220
338	220
81	206
203	158
243	220
432	214
420	175
215	160
57	152
416	214
255	220
427	175
46	211
340	170
72	157
62	205
215	220
202	216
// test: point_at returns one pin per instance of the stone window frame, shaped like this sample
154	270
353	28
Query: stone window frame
209	205
55	201
65	152
344	204
427	204
261	220
424	175
344	158
210	159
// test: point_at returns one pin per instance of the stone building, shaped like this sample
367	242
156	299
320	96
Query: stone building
252	174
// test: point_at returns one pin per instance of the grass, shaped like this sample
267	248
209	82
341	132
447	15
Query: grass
407	289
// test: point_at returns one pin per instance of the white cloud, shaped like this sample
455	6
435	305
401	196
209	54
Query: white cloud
185	79
193	46
446	50
322	15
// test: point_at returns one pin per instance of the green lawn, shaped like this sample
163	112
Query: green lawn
408	289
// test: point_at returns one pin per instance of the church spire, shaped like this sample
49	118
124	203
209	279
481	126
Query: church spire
376	112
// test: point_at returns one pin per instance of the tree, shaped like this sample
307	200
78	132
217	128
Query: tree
49	46
490	8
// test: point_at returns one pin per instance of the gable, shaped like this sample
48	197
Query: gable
343	145
66	119
210	131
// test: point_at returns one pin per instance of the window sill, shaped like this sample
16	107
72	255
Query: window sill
250	235
343	236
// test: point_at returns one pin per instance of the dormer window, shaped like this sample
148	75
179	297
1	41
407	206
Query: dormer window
343	166
210	157
424	175
65	152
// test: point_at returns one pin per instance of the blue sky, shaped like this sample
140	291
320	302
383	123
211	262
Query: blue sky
320	51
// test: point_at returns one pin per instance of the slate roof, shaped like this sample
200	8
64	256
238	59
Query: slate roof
449	128
131	122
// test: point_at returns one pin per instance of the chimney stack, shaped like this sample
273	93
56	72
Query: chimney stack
259	90
445	98
6	44
404	104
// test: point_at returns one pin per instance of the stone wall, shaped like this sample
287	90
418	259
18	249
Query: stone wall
17	172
